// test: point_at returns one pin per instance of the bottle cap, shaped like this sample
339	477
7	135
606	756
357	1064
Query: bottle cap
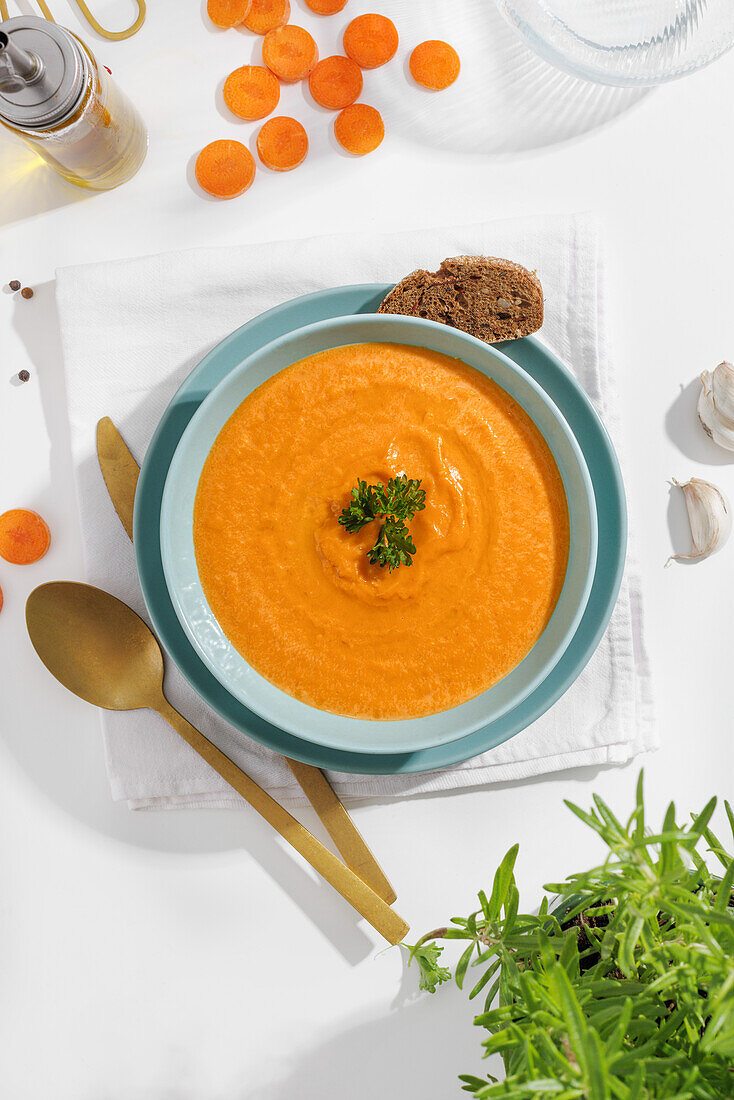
52	92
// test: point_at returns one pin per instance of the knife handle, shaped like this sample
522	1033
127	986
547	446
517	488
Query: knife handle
341	828
359	895
120	472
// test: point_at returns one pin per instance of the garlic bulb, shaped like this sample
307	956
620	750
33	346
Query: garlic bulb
716	404
709	516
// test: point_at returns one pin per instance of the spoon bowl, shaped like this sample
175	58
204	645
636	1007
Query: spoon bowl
98	648
95	645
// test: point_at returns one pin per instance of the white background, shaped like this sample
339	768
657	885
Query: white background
188	956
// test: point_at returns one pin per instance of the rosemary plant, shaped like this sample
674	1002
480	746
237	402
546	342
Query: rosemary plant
623	988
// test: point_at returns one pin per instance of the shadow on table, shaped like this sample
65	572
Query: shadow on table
684	429
414	1052
506	101
69	770
417	1050
29	186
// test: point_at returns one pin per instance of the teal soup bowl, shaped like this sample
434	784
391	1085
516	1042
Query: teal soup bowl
231	668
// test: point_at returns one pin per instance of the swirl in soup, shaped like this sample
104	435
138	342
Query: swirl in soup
295	592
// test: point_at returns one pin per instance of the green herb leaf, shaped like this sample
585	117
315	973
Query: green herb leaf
625	991
503	879
361	510
394	503
427	956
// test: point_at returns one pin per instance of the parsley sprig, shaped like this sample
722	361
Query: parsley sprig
396	503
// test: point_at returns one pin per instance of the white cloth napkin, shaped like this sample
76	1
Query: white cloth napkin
131	332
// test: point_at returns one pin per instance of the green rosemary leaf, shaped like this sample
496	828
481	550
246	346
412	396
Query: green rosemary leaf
627	945
724	892
462	965
491	994
730	817
568	1023
486	977
502	880
701	821
472	1083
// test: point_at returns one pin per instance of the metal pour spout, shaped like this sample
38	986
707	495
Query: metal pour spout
17	67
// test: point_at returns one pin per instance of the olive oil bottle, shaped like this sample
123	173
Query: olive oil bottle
57	98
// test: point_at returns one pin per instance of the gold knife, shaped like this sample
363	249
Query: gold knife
120	472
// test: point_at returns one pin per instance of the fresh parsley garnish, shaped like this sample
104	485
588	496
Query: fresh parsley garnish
396	503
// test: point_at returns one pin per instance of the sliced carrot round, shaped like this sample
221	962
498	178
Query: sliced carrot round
336	82
266	15
290	52
359	129
282	144
371	41
225	168
434	64
251	92
326	7
2	599
227	13
24	536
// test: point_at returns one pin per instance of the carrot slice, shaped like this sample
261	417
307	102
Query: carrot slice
326	7
2	600
282	144
371	40
290	52
225	168
227	13
434	64
336	82
359	129
266	15
24	536
251	92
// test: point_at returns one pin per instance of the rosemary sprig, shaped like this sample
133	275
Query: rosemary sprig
623	987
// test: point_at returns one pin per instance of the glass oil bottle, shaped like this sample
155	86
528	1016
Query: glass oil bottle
65	106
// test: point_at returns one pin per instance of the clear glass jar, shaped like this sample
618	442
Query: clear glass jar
625	42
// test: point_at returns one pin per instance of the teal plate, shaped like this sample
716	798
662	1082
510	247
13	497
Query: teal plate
603	468
236	674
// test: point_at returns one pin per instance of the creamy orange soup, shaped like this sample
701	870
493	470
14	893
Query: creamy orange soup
294	591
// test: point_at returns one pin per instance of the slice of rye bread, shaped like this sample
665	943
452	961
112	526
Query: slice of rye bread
487	297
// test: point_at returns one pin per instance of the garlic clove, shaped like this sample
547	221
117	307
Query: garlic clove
716	405
723	386
709	515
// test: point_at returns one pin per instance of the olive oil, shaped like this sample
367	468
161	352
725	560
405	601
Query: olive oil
56	97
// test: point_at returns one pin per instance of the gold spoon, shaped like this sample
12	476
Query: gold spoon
99	649
121	472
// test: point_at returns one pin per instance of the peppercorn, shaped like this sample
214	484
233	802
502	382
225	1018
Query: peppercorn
26	292
14	284
24	375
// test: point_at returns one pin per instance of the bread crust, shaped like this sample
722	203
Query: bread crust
489	297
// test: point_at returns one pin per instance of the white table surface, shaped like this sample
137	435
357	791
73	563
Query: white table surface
189	955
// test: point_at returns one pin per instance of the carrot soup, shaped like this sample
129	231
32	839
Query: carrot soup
296	592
